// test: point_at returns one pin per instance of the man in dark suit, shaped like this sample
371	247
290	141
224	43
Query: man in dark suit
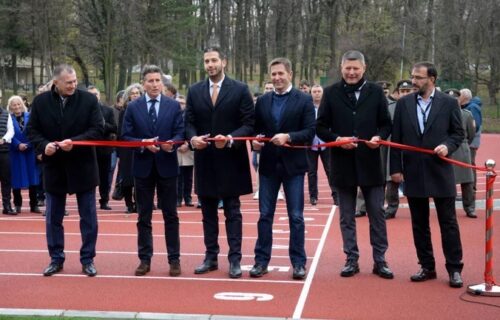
104	153
58	117
149	118
286	116
221	108
429	119
351	108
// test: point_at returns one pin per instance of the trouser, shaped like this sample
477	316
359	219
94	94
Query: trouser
18	198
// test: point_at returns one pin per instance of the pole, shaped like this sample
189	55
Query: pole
488	288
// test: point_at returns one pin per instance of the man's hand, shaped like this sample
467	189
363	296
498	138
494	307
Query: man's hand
221	141
374	142
66	145
199	142
51	148
441	150
183	148
347	146
397	177
257	145
153	148
280	139
167	147
22	147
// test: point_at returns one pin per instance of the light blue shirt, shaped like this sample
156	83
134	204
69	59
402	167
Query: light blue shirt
423	110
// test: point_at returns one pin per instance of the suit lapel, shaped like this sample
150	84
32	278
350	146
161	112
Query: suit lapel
343	96
412	114
206	93
143	113
433	112
364	94
162	110
290	102
225	88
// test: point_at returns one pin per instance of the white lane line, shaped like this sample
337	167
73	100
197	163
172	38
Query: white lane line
77	234
222	223
110	276
44	251
297	314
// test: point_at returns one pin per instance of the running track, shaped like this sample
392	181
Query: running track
323	295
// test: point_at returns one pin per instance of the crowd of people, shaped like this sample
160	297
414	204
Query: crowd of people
37	145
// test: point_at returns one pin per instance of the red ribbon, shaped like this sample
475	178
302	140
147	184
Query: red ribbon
137	144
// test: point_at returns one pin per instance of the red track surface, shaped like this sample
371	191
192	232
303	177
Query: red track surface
323	295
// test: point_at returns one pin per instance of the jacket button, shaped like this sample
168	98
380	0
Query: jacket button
354	113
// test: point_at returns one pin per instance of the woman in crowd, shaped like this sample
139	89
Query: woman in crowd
23	164
126	155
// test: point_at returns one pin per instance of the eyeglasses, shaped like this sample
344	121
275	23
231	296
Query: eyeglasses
418	78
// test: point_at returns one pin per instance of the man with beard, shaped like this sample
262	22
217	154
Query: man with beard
429	119
220	108
351	108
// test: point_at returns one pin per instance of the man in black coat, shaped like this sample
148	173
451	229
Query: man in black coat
58	117
104	153
429	119
220	108
351	108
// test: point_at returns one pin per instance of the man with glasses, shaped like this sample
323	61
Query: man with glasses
429	119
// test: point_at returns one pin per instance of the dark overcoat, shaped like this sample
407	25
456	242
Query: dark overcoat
221	172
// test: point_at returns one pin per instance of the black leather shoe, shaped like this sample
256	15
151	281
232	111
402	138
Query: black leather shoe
66	213
390	215
360	214
299	272
18	209
456	280
258	271
179	203
189	203
8	210
142	269
198	205
175	268
35	209
41	203
471	214
351	268
53	268
234	270
89	269
382	270
313	201
423	275
206	266
105	206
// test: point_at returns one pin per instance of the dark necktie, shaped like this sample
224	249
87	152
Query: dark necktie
152	113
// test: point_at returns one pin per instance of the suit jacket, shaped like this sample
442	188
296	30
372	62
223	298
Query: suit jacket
370	117
110	128
169	126
221	172
426	175
298	120
80	119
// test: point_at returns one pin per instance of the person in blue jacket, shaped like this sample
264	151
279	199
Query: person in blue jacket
24	172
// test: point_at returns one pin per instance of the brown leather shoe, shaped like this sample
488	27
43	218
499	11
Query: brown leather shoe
175	269
142	269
